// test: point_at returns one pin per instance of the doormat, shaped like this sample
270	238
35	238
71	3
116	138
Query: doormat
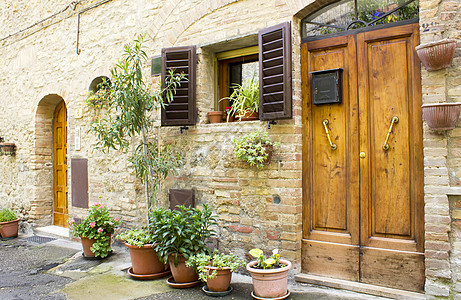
39	239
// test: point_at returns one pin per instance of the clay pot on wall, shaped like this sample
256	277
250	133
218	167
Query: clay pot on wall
7	148
436	55
215	116
270	283
9	229
441	116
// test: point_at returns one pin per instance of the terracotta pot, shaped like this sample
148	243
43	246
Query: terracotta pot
222	280
270	283
144	260
436	55
181	273
9	229
441	116
251	116
215	116
7	148
87	244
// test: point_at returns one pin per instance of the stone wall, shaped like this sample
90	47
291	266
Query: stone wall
441	19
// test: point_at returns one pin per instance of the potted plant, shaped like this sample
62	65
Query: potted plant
245	101
254	148
216	270
436	55
180	234
144	259
7	148
269	275
215	116
9	223
441	116
95	231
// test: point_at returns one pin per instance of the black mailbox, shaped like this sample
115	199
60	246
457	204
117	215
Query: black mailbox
326	86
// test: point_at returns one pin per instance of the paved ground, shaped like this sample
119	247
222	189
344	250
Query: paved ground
57	270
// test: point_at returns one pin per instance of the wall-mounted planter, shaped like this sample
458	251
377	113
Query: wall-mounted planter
436	55
7	148
441	116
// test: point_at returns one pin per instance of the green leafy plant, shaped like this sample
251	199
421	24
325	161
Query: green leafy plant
182	231
254	148
136	237
129	106
99	225
218	260
244	99
272	262
7	215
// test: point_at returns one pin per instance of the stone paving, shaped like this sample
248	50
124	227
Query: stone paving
57	270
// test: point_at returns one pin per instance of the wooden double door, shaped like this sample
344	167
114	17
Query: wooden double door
363	216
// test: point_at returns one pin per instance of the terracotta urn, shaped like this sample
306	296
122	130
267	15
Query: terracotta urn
9	229
215	116
144	260
436	55
222	280
270	283
181	273
441	116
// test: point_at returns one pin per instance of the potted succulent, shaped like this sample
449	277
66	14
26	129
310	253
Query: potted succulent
269	275
179	234
436	55
254	148
9	223
144	259
95	231
245	101
216	270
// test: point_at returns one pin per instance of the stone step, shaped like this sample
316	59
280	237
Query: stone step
53	231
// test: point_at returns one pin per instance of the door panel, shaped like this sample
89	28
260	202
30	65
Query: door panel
363	217
60	213
331	234
391	180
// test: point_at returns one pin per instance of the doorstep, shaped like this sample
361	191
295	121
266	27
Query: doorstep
359	287
53	231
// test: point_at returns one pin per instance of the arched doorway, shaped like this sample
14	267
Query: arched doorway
43	204
363	206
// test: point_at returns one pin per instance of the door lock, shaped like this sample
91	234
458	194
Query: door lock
362	154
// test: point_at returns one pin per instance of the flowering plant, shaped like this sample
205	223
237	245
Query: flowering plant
99	225
272	262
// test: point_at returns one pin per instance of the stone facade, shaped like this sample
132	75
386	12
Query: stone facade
41	66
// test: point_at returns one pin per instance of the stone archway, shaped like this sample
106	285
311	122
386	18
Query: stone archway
42	203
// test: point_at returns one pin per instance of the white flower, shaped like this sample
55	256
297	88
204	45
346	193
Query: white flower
275	251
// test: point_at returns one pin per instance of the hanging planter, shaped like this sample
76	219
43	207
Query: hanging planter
7	148
437	55
441	116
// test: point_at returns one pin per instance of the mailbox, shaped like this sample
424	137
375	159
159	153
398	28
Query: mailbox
326	86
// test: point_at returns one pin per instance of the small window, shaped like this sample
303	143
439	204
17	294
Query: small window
235	67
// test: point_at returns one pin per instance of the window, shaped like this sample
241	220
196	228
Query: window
235	67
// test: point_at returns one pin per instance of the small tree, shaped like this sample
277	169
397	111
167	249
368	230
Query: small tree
129	105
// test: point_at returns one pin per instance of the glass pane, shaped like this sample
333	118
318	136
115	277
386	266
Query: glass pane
249	71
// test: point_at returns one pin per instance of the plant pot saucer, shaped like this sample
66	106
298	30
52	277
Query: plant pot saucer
277	298
216	294
97	257
147	276
183	285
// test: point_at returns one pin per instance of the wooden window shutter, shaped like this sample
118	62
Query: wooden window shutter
181	111
275	72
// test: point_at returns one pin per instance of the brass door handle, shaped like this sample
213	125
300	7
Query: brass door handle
332	145
395	120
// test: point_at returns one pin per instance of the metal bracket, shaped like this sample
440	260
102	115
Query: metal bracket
269	123
181	129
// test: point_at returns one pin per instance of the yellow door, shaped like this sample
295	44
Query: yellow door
60	213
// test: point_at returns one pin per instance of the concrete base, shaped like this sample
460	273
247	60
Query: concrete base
359	287
53	231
